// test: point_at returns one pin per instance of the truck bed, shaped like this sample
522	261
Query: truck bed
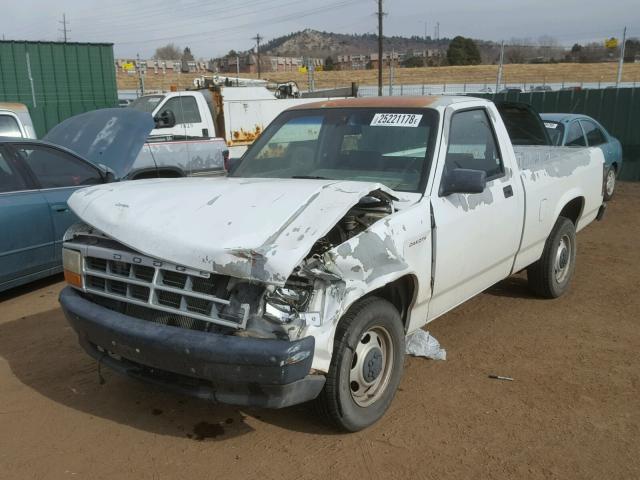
551	177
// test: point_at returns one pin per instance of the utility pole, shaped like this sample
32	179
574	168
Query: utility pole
391	73
621	60
237	70
257	38
424	52
500	66
380	15
64	29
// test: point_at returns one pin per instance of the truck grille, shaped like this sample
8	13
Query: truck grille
174	290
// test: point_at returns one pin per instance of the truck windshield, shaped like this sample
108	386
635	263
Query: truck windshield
147	104
390	146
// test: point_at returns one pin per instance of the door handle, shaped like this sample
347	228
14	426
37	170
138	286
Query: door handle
508	191
60	208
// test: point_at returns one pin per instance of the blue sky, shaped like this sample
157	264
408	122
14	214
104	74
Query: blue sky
212	28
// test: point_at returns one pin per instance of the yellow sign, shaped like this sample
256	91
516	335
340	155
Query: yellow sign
611	43
302	69
128	66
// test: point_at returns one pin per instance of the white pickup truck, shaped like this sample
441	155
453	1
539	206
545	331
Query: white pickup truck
236	115
347	226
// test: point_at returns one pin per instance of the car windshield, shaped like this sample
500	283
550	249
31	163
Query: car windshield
555	131
147	104
390	146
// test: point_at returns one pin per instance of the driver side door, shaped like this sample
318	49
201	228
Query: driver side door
476	236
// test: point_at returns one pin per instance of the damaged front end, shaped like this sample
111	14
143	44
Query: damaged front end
313	292
120	278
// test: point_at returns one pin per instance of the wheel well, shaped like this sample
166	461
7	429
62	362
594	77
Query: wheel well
160	173
615	167
573	209
400	293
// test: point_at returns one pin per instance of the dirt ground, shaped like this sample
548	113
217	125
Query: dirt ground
572	411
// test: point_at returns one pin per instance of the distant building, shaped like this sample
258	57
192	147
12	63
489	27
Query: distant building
248	63
370	60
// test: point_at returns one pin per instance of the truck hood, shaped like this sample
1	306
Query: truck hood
110	137
256	229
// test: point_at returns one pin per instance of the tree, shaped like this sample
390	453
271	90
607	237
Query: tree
168	52
328	63
463	51
632	49
413	62
186	55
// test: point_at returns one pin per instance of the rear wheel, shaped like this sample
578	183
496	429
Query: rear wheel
366	366
550	276
609	183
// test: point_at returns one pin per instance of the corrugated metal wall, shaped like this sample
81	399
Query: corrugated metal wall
617	109
57	80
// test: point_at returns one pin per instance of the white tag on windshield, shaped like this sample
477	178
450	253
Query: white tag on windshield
550	125
396	120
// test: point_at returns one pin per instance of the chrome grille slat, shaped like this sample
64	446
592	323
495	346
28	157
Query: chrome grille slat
127	276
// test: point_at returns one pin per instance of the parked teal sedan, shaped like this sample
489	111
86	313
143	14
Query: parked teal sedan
573	130
37	178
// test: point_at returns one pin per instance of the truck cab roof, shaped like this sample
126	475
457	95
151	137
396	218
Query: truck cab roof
431	101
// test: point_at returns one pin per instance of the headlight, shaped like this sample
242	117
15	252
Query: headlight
72	265
284	303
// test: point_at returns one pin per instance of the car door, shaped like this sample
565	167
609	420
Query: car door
188	120
58	174
26	241
597	138
476	235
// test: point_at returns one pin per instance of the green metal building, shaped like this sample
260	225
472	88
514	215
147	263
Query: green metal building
57	80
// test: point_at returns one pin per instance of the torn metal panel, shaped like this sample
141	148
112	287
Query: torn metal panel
254	229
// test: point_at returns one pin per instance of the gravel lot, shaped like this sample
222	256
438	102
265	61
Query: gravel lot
573	410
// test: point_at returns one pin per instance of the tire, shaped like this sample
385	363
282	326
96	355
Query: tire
550	276
609	183
374	367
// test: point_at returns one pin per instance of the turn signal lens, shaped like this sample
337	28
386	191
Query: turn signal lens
72	264
73	279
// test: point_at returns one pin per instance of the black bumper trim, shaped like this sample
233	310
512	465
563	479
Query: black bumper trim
238	370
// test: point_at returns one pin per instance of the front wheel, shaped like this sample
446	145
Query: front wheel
550	276
609	183
366	366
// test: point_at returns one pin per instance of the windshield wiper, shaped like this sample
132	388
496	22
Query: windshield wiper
310	177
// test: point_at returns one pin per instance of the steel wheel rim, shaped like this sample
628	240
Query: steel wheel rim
611	182
375	350
562	261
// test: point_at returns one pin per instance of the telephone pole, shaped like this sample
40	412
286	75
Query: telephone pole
500	67
257	38
380	15
64	30
621	60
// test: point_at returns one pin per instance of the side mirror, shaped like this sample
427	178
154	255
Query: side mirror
166	119
463	180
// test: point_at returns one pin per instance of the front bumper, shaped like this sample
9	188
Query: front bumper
222	368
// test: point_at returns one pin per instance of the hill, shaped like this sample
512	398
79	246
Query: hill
313	43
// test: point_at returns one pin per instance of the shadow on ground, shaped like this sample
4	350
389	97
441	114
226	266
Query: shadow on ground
513	287
30	287
43	353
